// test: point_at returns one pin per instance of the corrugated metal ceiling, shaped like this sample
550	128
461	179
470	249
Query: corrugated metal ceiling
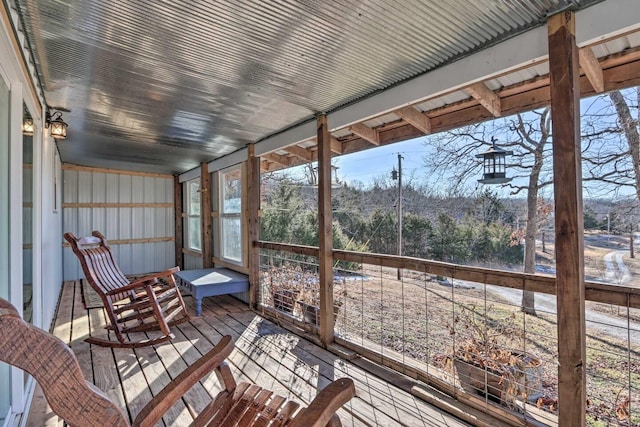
163	85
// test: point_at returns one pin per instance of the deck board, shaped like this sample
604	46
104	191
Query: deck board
80	331
311	364
265	353
105	371
157	378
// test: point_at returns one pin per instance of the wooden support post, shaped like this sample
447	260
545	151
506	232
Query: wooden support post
205	216
325	232
177	213
565	109
253	204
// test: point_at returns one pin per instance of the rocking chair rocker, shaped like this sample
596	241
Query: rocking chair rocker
80	403
152	302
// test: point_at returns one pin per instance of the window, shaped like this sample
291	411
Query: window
194	236
231	214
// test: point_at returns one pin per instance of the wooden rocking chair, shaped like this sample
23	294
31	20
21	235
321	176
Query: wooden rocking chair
80	403
144	304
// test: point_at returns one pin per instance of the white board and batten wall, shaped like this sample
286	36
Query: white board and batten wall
133	210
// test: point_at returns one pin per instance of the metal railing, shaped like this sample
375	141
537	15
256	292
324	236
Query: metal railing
461	329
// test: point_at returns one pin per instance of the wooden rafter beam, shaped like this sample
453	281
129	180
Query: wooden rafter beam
336	146
415	118
365	132
618	75
298	151
267	166
619	70
592	69
277	158
486	97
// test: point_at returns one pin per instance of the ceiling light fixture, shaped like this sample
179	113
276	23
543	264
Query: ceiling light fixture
57	127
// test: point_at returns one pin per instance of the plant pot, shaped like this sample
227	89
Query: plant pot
284	299
525	377
311	313
472	378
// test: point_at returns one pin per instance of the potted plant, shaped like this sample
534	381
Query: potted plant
284	288
309	303
311	310
488	362
284	299
295	292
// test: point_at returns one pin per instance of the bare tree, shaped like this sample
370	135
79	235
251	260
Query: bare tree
630	129
528	135
611	149
611	144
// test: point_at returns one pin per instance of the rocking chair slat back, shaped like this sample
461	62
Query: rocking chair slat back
98	264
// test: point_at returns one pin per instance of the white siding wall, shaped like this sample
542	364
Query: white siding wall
192	263
120	222
50	248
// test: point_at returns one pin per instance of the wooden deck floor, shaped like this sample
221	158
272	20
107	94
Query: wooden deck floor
265	354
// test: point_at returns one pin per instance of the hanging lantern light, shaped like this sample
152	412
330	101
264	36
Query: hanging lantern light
494	164
28	127
57	126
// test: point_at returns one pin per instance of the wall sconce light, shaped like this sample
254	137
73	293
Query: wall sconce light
28	128
495	165
57	127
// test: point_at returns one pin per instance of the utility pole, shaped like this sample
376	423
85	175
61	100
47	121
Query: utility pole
398	175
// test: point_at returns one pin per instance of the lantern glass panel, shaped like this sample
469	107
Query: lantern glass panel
28	127
58	129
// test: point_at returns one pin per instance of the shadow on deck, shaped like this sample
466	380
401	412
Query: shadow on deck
265	354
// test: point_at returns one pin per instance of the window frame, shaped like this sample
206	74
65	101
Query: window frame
190	215
223	215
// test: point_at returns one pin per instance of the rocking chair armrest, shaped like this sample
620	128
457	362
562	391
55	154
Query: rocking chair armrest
326	403
156	408
130	287
143	281
150	277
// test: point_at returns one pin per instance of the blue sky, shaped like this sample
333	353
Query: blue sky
367	165
375	163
